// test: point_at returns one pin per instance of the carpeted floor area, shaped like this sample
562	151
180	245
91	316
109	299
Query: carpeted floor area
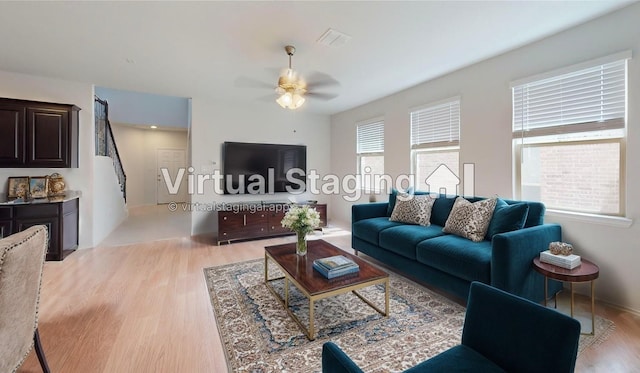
259	335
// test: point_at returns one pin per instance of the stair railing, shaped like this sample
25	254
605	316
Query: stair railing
106	144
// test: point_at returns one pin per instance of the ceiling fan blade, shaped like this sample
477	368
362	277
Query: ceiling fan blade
275	71
267	98
322	96
246	82
317	79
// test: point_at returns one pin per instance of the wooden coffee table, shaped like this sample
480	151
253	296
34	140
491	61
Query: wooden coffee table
299	271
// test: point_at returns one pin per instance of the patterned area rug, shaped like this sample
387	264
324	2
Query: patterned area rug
604	328
259	336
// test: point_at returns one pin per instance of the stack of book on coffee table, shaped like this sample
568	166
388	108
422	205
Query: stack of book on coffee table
335	266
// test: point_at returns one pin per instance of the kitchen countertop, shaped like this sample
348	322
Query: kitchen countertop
69	195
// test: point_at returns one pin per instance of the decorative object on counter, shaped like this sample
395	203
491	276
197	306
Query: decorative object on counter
56	198
56	185
560	248
18	187
38	187
301	220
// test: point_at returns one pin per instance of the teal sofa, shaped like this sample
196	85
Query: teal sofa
501	333
450	262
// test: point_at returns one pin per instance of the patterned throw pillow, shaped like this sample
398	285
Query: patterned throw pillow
412	209
470	220
393	196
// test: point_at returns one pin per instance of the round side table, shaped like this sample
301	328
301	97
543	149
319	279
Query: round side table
586	271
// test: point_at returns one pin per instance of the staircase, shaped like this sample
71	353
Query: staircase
105	143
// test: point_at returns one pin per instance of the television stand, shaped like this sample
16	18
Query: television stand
257	220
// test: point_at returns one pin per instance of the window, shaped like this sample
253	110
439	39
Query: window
569	137
370	151
435	136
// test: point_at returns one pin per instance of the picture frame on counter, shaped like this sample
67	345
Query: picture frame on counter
38	186
18	187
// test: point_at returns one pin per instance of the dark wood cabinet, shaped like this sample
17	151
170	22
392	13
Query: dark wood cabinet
230	225
322	210
53	228
11	134
60	218
249	221
5	228
275	225
47	131
38	134
234	225
6	221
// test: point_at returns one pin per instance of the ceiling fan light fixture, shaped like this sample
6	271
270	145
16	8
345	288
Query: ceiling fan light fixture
291	100
285	100
297	101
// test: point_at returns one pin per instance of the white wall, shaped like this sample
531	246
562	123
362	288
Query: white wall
145	108
109	204
486	137
137	148
214	123
27	87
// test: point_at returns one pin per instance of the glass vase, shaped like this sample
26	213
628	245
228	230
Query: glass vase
301	243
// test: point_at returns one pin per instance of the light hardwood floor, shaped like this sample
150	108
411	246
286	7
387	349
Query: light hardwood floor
144	308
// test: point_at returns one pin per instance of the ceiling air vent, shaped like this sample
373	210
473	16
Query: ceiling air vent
333	38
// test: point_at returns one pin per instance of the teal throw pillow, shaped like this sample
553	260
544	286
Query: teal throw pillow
507	218
441	209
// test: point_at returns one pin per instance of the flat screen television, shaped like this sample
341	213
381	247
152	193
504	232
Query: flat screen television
242	161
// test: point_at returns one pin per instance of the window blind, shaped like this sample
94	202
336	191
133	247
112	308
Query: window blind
370	137
436	126
589	99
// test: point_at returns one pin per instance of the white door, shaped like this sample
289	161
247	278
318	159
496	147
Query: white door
171	164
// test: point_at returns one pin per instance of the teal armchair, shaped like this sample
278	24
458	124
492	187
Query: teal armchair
502	333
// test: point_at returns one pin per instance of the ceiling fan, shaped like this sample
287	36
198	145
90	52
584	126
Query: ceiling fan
292	88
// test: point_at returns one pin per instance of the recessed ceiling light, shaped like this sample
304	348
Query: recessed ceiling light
153	127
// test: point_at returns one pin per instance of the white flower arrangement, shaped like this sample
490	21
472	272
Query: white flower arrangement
301	219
